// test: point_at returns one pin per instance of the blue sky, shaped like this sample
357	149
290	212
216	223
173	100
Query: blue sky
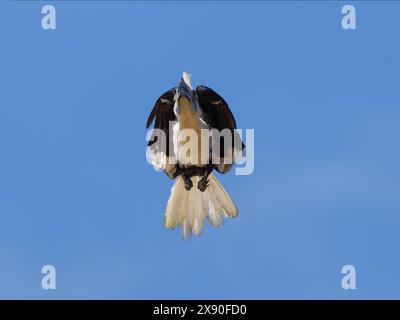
76	191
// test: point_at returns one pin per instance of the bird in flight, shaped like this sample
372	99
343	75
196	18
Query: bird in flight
194	133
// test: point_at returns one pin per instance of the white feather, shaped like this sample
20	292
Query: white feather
156	157
190	208
186	77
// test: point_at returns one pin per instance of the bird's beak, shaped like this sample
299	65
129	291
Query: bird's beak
184	90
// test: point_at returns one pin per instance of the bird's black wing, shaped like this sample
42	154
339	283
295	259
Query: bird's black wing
157	151
218	115
216	110
163	112
163	109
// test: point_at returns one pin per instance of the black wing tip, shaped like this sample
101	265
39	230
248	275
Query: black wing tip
152	116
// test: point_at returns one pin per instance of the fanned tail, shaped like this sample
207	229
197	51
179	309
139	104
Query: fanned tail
190	208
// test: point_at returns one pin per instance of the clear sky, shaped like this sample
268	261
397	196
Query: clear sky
76	191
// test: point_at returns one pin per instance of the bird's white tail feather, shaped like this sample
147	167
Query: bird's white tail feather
191	208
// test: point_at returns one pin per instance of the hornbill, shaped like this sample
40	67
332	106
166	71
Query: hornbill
189	158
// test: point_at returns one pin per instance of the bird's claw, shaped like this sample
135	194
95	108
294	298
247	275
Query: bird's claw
188	184
202	185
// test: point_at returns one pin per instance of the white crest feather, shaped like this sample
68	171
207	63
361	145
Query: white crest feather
186	77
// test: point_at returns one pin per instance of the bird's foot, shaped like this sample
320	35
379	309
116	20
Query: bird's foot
188	183
203	184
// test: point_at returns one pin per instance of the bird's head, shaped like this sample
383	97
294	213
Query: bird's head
185	95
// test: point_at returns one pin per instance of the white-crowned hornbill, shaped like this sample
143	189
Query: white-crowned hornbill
196	193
